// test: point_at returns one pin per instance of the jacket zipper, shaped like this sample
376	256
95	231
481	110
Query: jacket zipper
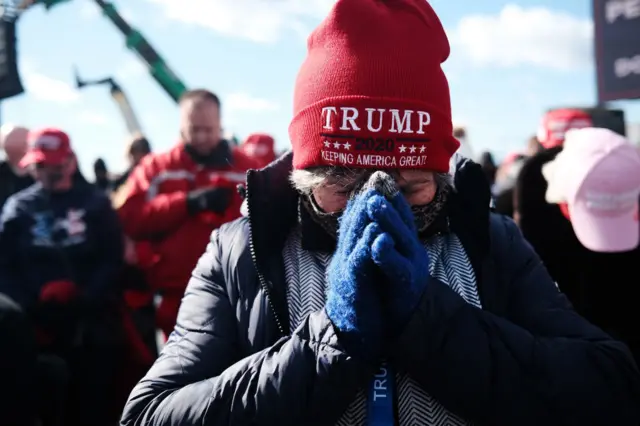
261	278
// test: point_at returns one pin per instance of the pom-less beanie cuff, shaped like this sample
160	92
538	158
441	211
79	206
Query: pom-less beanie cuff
365	132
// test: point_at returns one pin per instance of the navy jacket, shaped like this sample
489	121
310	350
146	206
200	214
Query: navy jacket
525	359
10	183
68	236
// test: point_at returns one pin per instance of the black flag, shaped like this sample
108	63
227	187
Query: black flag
10	84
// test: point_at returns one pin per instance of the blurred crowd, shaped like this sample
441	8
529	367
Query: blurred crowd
578	210
93	268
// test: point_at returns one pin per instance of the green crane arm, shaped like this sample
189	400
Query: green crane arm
135	41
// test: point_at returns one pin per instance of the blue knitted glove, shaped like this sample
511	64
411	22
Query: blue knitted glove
353	301
399	253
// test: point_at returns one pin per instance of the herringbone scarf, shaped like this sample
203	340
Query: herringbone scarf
306	287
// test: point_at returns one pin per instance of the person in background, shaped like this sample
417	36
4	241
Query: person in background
101	173
533	147
370	284
13	178
460	133
595	181
137	149
507	175
36	383
489	167
505	181
173	200
61	250
18	363
261	148
138	310
542	223
137	294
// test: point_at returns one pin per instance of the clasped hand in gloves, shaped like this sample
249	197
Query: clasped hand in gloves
377	274
353	302
400	255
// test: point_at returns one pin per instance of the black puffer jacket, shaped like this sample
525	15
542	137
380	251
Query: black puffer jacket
10	182
527	359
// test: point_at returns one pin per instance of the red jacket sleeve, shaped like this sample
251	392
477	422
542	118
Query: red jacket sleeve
146	215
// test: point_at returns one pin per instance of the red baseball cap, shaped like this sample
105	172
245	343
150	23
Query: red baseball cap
556	123
48	146
259	144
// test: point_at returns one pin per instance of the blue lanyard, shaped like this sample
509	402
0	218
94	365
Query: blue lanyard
381	398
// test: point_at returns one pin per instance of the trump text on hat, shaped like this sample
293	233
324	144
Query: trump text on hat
374	119
374	137
47	142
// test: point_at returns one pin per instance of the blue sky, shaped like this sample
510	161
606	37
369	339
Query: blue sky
509	62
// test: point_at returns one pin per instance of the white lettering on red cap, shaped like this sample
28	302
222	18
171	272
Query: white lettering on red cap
326	113
373	160
349	116
47	142
400	125
351	119
370	112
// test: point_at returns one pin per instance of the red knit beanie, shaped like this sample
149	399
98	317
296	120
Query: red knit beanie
371	92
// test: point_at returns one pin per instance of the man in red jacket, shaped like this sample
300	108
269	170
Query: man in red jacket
174	200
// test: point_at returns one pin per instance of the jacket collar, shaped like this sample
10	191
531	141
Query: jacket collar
271	204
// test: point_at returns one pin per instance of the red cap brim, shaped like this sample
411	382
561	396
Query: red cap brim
42	157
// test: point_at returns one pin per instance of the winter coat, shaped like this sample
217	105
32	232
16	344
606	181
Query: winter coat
525	359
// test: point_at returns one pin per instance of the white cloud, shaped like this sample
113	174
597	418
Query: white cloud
49	89
95	118
246	102
526	36
89	10
262	21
